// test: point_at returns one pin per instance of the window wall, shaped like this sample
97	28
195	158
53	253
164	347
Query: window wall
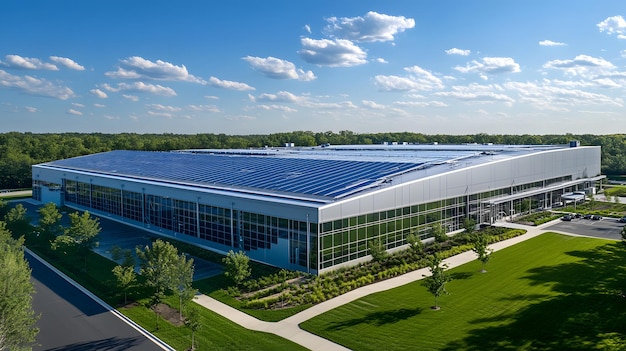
243	230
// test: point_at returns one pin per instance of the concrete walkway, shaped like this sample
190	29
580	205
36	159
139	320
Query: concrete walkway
289	328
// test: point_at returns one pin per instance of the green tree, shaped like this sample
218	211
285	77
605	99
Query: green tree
49	223
592	201
192	321
416	245
377	250
481	249
237	266
182	277
437	280
156	267
623	232
17	221
17	318
438	232
81	236
125	277
469	224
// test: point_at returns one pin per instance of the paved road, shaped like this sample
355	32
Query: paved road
72	321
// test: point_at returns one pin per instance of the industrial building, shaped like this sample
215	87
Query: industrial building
316	208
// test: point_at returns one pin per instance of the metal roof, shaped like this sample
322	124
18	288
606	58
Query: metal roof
325	173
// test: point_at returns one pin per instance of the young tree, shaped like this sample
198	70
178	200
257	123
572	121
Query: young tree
182	277
156	267
49	223
17	318
416	245
377	250
469	224
438	232
237	266
82	235
17	221
592	201
192	321
125	277
481	249
436	281
623	232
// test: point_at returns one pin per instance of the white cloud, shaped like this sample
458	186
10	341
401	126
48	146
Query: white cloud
279	69
455	51
159	107
614	25
370	28
30	109
417	79
136	67
227	84
395	83
16	61
551	43
204	108
332	53
490	65
380	60
141	87
277	108
581	65
421	103
281	96
98	93
68	63
74	112
547	96
478	93
307	28
77	104
35	86
131	97
99	105
373	105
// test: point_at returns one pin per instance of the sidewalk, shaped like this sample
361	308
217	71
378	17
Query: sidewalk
289	328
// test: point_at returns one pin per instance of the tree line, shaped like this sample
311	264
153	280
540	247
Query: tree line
19	151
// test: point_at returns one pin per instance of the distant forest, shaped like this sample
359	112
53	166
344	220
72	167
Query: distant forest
19	151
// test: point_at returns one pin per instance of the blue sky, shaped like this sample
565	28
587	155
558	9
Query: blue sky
260	67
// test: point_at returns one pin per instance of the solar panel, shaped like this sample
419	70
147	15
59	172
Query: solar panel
315	176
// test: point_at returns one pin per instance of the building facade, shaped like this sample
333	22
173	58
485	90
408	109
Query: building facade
316	209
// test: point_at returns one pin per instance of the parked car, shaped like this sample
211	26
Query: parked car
587	216
596	217
623	219
566	218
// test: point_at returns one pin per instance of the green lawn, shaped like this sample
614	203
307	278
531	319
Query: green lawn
553	292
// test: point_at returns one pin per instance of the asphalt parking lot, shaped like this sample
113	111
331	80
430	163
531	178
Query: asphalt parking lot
608	228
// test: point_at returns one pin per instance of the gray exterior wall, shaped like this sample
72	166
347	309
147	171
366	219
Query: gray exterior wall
579	162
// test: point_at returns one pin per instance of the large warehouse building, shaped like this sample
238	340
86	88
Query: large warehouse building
316	208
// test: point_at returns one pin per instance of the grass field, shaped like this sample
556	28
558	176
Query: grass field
553	292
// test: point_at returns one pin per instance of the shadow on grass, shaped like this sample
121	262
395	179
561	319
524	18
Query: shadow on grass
590	313
377	318
461	275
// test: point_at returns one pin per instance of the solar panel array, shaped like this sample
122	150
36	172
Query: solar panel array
313	177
